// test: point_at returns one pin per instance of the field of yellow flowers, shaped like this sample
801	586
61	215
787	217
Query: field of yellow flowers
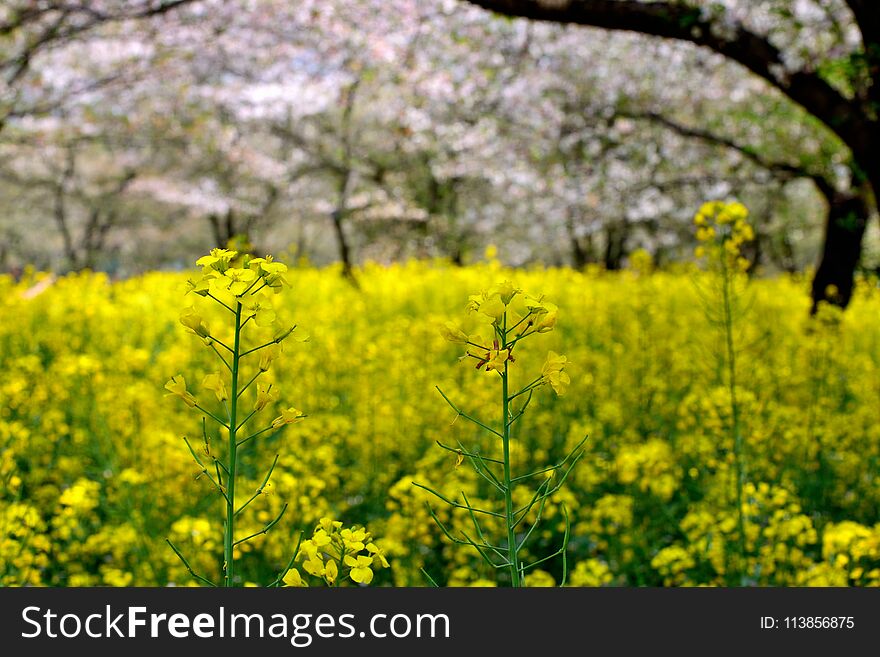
94	474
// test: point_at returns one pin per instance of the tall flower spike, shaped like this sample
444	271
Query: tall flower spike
235	283
511	324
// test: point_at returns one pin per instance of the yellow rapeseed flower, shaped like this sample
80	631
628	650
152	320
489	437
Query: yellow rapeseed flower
261	310
214	382
452	332
194	322
497	358
177	386
267	393
267	355
552	372
288	416
293	578
360	568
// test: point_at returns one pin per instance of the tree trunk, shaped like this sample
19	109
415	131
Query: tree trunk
342	243
616	235
338	216
844	230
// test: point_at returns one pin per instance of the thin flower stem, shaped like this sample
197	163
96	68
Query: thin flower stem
534	384
220	356
528	534
483	470
221	303
244	421
512	552
734	412
575	452
251	286
204	580
479	548
264	529
527	316
254	435
259	490
565	540
518	338
221	343
217	484
478	346
270	343
461	413
466	453
429	578
457	505
248	384
542	560
540	495
549	468
479	464
467	540
229	529
278	580
210	414
496	549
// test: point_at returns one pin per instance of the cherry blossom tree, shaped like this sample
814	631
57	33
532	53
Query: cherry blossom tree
397	128
823	56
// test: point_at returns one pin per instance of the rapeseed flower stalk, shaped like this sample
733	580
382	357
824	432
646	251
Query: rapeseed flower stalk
722	231
243	287
512	317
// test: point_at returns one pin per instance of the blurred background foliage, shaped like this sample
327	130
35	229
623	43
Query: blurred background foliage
136	134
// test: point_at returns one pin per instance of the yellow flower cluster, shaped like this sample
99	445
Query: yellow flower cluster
722	230
335	554
506	308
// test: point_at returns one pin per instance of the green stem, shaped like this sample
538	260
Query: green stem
220	356
221	303
244	421
267	344
511	344
254	435
512	556
534	384
229	531
214	417
734	425
527	316
248	384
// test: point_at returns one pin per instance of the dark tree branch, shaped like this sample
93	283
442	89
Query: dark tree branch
60	208
56	22
683	22
782	170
